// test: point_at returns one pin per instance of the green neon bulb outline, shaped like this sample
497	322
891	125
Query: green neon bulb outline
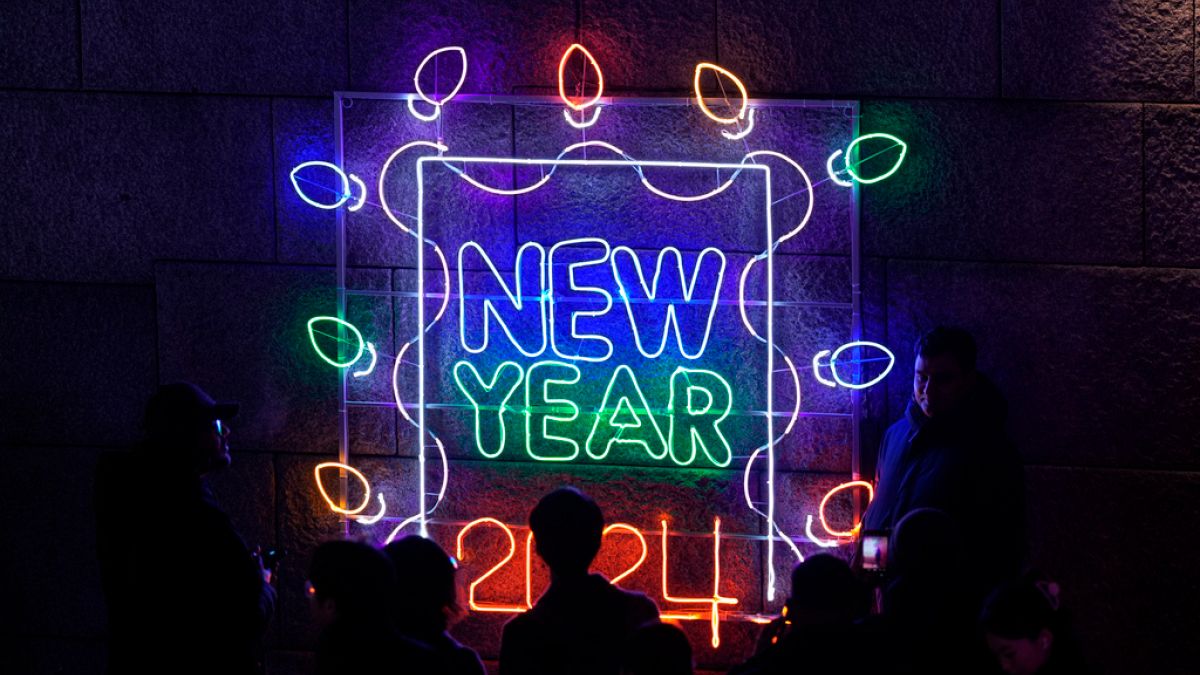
895	167
488	387
651	292
312	337
547	418
695	437
576	315
604	405
517	300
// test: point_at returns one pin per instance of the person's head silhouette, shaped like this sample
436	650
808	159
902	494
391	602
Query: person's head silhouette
824	590
567	527
426	597
349	581
187	429
657	649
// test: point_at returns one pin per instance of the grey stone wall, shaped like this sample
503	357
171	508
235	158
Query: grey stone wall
1047	203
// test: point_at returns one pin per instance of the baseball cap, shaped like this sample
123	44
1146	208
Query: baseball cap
179	405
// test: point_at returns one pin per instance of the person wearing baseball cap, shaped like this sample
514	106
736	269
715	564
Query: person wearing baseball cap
184	592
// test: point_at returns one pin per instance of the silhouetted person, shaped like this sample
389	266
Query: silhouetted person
1028	631
579	625
184	593
425	601
950	452
657	649
817	632
350	586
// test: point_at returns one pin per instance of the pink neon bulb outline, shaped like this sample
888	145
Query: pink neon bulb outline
461	78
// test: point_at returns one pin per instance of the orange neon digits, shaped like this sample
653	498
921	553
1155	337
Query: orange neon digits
512	549
329	500
562	88
844	486
529	570
717	599
719	71
642	540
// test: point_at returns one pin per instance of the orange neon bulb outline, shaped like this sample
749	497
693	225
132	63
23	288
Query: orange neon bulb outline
562	89
700	68
852	532
325	495
512	549
641	539
717	599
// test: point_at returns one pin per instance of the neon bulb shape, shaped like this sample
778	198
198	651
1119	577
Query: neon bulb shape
895	167
833	175
515	293
823	543
562	89
642	540
861	343
719	71
852	532
371	520
717	599
477	384
692	426
350	470
816	368
576	315
343	196
543	437
412	109
686	289
370	368
312	337
462	77
744	132
608	431
362	195
512	549
583	123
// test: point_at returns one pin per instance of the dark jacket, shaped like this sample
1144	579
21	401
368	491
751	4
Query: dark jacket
576	628
962	464
183	592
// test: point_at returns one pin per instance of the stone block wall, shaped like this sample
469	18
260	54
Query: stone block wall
1048	203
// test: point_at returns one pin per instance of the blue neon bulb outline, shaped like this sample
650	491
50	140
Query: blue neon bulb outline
547	417
487	388
517	299
604	405
651	292
342	198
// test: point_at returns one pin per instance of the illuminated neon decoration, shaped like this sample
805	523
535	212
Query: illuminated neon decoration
717	599
312	337
584	121
370	368
737	136
512	549
848	166
353	513
852	532
719	72
837	380
462	76
562	88
344	195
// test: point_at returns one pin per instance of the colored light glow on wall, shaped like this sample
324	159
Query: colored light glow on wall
717	599
459	552
739	135
719	72
583	103
462	75
852	532
849	167
366	486
338	325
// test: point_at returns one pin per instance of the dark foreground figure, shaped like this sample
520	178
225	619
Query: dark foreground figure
184	593
580	625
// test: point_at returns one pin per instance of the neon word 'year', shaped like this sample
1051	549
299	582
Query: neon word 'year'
660	297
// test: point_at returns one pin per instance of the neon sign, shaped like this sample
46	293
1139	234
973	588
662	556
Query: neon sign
575	340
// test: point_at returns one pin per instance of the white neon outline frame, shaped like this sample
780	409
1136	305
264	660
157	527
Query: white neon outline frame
342	99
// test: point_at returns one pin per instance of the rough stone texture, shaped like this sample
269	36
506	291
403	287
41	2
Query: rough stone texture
1082	522
79	363
38	45
227	46
1098	49
51	577
629	39
1019	181
246	492
880	48
508	44
303	132
241	332
1172	185
1075	349
110	183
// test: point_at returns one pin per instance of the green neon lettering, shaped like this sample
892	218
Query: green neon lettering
622	422
694	425
486	397
539	407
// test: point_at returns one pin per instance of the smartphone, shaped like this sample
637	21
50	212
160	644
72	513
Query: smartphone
875	550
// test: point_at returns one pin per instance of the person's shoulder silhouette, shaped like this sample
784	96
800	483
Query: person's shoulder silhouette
578	625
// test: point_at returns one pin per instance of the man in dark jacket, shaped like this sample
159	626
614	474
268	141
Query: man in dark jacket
184	593
579	625
950	452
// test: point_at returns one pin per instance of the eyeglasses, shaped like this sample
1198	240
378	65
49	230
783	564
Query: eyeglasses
221	428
